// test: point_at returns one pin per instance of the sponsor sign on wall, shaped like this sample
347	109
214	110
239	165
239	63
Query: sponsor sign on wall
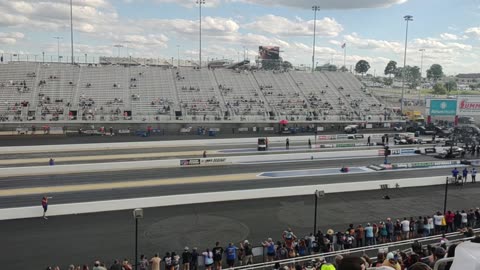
468	105
443	107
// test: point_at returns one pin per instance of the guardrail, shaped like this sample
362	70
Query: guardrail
362	250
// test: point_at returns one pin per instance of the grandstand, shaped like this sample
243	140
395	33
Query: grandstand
41	92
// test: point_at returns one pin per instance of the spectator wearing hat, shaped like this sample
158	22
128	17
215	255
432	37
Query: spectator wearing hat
247	249
186	258
392	261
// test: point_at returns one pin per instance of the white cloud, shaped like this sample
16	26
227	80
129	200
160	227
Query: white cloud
277	25
326	4
354	40
448	36
10	38
473	32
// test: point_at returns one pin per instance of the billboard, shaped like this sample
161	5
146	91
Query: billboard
469	105
443	107
269	52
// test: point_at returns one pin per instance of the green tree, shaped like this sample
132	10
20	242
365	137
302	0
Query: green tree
287	65
450	86
387	81
435	72
390	68
439	89
412	75
343	69
326	67
362	67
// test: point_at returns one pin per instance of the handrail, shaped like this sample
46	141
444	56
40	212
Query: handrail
348	251
442	261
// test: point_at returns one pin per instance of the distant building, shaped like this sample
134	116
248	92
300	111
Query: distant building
468	78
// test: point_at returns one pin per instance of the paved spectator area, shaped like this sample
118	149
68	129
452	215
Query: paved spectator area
35	243
167	185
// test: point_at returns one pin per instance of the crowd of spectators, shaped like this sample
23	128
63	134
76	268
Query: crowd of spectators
355	236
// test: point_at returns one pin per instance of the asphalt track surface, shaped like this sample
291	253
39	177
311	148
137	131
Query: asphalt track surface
8	140
79	239
172	173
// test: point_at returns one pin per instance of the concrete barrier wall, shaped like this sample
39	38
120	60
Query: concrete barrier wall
152	144
116	205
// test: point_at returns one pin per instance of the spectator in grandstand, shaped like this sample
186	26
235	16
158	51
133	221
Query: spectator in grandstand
437	221
390	230
231	252
51	162
143	263
471	218
457	220
465	174
359	233
155	262
352	263
392	261
368	261
186	258
289	237
194	263
208	259
282	251
450	254
126	265
248	253
369	235
437	255
449	217
175	261
217	256
116	265
455	173
405	224
270	246
338	260
464	219
419	266
167	260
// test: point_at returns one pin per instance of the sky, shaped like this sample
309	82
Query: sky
373	30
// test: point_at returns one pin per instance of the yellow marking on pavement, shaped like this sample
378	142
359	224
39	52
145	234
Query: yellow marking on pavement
130	184
105	157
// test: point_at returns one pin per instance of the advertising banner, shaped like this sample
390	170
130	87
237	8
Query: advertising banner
443	107
469	105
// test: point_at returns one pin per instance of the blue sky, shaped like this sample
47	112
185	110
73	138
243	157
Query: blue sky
374	30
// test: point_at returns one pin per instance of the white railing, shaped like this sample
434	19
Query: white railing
352	250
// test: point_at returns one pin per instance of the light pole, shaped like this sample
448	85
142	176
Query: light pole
58	47
43	57
71	28
318	194
315	9
200	3
118	46
137	214
178	56
407	19
86	58
421	71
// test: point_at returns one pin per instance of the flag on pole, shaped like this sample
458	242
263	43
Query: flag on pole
344	45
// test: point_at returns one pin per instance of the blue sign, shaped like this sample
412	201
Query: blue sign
443	107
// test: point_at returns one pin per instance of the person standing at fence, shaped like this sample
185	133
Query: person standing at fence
45	205
247	249
465	174
287	144
231	252
217	256
155	262
368	235
194	263
455	174
186	258
368	141
474	175
208	259
270	246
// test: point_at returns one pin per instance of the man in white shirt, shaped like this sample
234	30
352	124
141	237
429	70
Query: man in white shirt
437	221
405	228
464	219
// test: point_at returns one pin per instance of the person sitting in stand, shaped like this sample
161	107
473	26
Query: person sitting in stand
344	169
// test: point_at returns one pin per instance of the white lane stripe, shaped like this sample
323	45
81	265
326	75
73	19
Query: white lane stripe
197	198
